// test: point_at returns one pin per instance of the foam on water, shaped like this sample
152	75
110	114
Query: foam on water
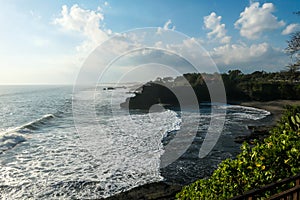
245	112
129	149
10	140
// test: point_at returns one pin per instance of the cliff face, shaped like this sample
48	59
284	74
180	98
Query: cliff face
150	95
167	96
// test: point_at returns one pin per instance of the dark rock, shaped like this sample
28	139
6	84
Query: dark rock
153	191
149	95
109	88
257	132
153	93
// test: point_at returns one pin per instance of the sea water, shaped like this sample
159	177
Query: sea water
43	155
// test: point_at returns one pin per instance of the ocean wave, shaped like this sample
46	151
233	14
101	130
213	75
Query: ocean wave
33	125
12	137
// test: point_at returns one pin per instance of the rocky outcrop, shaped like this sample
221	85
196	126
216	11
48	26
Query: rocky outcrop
149	95
166	95
153	191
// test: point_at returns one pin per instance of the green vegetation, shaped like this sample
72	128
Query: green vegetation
277	157
257	86
262	86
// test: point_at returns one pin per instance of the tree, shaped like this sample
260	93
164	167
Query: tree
293	68
293	47
234	74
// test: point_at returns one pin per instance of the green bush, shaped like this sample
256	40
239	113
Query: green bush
276	158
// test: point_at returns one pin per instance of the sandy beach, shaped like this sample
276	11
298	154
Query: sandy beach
275	107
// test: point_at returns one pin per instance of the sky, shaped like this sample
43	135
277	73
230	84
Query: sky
48	42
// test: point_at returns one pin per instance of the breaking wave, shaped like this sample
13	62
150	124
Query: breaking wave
12	137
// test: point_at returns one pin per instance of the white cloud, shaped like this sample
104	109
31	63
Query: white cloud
248	58
213	22
255	19
291	29
86	22
167	26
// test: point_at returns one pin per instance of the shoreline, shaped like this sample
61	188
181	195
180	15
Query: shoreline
165	191
261	131
276	107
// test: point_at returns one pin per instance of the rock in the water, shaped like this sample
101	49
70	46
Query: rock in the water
109	88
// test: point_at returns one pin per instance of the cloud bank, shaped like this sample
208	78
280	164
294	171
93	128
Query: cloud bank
227	54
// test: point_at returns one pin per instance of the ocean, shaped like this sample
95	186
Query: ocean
43	154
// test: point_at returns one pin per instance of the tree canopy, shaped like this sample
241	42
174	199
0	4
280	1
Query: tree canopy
293	47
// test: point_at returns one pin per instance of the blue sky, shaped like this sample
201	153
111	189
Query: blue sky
46	43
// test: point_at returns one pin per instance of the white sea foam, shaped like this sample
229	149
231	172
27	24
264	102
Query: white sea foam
129	148
245	112
10	140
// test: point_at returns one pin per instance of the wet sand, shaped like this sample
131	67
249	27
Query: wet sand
275	107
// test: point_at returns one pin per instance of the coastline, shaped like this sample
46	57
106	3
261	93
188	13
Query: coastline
276	107
261	131
164	191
